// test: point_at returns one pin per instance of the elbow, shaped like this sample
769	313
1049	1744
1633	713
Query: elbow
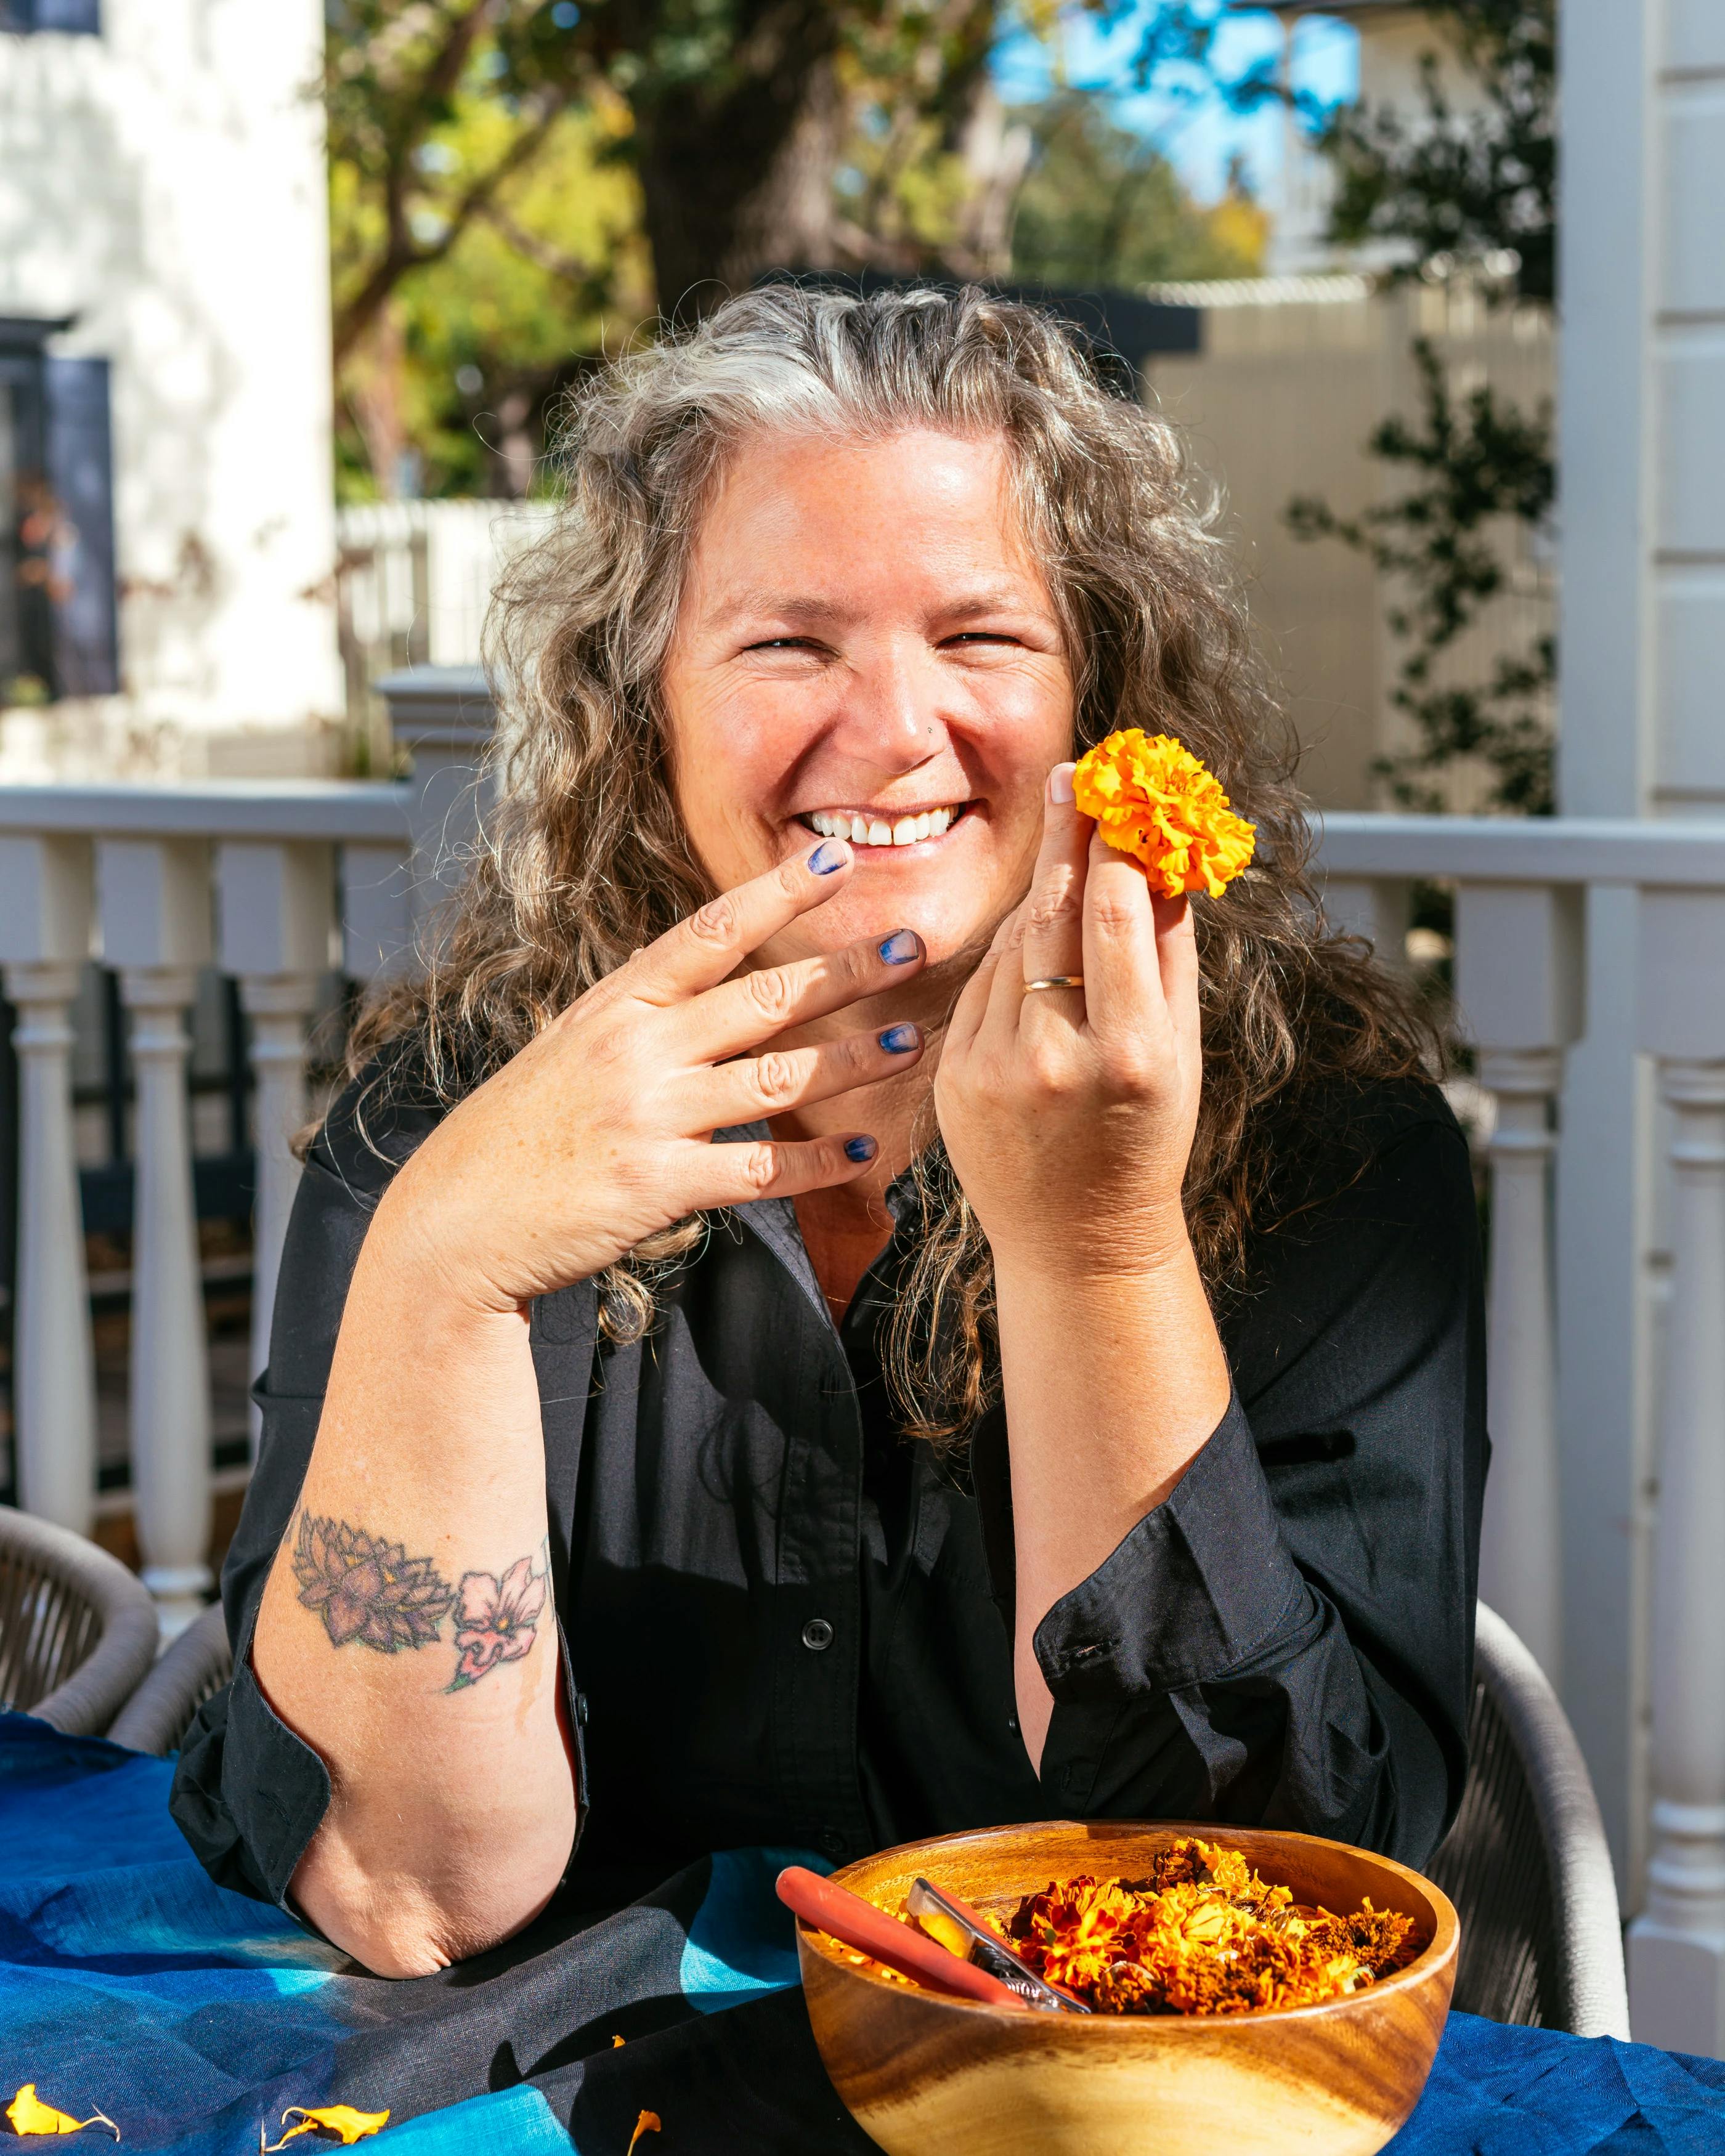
398	1925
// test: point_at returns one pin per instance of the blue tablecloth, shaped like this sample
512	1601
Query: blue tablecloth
128	1982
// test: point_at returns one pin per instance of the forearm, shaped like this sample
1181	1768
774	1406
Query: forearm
407	1632
1113	1382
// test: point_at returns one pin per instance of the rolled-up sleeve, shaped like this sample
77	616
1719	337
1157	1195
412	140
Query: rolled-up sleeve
1287	1639
248	1794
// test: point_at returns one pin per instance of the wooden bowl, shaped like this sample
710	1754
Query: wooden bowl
920	2073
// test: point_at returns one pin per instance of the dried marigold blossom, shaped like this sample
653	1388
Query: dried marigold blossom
1151	797
29	2114
1202	1933
340	2119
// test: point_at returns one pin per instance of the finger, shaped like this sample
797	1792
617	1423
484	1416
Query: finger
968	1013
999	1028
714	941
760	1086
1122	973
1177	955
735	1172
724	1021
1054	913
973	1005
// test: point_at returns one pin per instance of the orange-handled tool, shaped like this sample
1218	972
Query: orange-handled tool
859	1924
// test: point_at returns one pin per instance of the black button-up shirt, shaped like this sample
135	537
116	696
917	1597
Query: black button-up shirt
784	1623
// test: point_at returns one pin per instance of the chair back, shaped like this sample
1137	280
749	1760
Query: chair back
1527	1863
159	1712
77	1629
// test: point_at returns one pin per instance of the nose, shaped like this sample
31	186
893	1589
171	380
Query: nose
892	716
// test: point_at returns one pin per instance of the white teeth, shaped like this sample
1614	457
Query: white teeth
875	830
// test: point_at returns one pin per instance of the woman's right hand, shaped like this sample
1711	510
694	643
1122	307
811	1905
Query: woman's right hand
597	1134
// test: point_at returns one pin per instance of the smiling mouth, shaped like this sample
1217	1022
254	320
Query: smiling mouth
866	827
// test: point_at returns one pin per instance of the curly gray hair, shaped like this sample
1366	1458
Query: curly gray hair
586	858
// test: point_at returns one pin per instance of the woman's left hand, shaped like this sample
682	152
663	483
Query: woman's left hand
1068	1113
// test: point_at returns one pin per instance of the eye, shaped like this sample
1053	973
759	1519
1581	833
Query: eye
983	636
782	644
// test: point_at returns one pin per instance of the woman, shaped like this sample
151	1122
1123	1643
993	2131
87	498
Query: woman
830	1315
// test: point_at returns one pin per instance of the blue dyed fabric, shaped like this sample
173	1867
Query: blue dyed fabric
191	2016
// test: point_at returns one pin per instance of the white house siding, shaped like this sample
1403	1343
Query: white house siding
163	184
1290	377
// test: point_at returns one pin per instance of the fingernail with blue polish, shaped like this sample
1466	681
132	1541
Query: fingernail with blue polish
900	948
900	1040
859	1148
827	856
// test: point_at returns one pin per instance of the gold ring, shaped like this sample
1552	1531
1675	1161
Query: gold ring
1055	981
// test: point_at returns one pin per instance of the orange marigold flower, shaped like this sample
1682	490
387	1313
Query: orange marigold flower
1151	797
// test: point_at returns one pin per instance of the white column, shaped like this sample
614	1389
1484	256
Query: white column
154	903
276	905
443	716
376	920
1641	414
1518	953
1677	1947
44	936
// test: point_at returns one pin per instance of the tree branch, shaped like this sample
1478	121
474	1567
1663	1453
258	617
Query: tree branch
401	255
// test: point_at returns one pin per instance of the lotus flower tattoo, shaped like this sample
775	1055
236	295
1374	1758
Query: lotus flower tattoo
368	1589
496	1619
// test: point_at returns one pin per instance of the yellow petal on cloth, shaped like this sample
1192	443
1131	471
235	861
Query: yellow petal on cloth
1151	797
648	2122
339	2118
29	2114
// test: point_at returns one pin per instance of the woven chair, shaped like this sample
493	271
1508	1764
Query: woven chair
159	1712
1527	1863
77	1629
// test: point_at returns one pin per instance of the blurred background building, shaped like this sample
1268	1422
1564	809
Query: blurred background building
476	201
164	286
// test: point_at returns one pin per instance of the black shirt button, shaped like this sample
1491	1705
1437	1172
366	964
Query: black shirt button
817	1636
833	1842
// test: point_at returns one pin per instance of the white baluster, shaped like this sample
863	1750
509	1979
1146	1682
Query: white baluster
278	1008
44	935
1677	1944
1677	1947
1520	1551
155	904
1375	907
277	921
1518	979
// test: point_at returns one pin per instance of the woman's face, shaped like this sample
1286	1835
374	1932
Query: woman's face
866	646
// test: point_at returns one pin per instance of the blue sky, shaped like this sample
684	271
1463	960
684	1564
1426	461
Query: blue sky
1189	122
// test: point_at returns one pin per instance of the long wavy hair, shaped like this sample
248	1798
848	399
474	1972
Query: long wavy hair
584	857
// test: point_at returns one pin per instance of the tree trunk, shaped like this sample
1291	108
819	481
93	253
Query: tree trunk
736	169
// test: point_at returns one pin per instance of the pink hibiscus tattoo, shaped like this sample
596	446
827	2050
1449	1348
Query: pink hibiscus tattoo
495	1619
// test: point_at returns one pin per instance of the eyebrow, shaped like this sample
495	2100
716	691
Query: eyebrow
795	606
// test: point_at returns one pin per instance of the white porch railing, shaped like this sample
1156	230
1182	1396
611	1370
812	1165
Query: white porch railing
276	884
1520	894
